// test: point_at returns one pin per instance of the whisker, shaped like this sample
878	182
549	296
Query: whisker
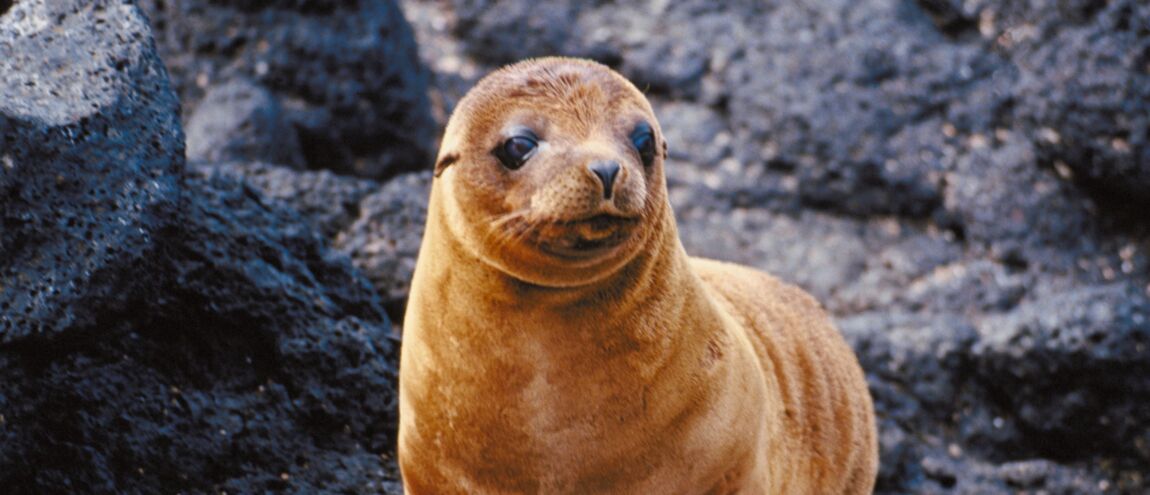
509	228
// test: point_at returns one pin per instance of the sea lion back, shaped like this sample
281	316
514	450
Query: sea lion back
828	415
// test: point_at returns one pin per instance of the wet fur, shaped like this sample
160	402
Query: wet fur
642	372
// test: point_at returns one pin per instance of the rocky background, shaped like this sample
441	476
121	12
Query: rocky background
200	266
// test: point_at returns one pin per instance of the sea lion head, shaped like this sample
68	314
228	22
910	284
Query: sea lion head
551	170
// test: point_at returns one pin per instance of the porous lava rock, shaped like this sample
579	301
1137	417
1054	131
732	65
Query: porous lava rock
90	152
347	74
163	329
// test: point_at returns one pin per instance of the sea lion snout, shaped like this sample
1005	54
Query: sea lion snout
606	171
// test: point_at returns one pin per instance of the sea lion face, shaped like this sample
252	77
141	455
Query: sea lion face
552	171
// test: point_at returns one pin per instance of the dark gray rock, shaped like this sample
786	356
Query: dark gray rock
164	332
328	202
924	373
1072	365
1062	369
695	134
90	149
1085	92
504	31
857	109
1004	201
926	265
926	358
812	249
1081	73
701	173
384	241
945	472
251	359
346	73
379	227
948	287
240	120
643	40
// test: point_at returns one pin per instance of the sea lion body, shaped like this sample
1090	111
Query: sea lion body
559	340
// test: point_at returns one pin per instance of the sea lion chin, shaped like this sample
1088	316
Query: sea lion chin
559	340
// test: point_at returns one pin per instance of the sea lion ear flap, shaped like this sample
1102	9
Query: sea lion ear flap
664	148
444	162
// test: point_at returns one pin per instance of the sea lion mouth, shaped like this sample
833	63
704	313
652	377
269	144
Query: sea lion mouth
601	222
589	237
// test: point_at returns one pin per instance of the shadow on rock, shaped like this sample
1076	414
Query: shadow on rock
164	330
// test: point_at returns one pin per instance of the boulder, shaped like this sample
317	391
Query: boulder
1072	365
384	241
379	227
327	201
1084	93
346	74
241	120
254	359
90	153
163	329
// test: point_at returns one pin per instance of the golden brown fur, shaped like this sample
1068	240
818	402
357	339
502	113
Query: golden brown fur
560	342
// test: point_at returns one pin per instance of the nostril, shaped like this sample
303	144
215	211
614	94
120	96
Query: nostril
606	171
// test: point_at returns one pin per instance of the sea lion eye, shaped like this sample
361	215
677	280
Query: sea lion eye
643	138
516	150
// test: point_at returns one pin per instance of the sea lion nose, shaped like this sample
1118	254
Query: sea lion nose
606	170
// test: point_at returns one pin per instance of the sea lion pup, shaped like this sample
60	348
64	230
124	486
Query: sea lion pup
559	340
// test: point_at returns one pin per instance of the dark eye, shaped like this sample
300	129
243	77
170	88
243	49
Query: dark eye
643	138
515	151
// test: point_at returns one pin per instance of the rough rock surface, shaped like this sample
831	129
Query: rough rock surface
252	359
163	331
241	120
327	201
89	147
378	227
385	240
346	73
